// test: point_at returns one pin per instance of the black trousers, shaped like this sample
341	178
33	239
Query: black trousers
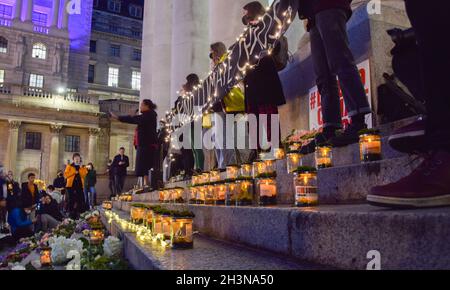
119	183
77	204
112	188
431	22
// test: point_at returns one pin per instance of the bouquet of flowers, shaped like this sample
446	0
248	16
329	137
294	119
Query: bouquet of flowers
61	246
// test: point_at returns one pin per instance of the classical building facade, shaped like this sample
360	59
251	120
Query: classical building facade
47	108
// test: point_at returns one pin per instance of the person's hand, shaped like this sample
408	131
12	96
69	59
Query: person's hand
305	24
113	115
3	203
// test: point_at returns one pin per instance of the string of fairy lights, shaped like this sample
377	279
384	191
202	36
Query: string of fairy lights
243	56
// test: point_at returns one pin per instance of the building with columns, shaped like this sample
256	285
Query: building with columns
47	111
177	34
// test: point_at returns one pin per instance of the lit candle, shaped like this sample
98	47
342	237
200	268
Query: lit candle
267	191
232	172
279	154
370	147
293	161
324	157
305	182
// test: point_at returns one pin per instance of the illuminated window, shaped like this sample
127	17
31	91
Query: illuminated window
36	81
5	11
113	77
2	76
39	51
136	80
3	45
39	18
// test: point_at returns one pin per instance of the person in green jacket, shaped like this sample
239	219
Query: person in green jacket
90	194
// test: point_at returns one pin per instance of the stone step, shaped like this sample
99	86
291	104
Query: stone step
339	236
207	254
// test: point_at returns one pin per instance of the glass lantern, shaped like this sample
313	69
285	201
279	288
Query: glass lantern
370	147
137	214
201	194
295	146
257	167
294	160
246	170
267	191
210	194
167	196
157	224
46	257
220	193
177	195
324	156
107	205
279	153
161	196
148	218
96	236
166	230
306	188
244	192
195	180
231	194
232	172
193	194
269	166
214	175
205	177
182	233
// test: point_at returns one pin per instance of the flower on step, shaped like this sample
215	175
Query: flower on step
61	246
86	233
112	247
18	267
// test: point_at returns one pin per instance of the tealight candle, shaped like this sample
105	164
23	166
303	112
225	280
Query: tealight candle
324	157
370	147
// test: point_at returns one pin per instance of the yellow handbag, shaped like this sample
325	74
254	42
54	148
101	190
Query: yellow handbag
235	101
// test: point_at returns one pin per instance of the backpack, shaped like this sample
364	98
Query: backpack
281	58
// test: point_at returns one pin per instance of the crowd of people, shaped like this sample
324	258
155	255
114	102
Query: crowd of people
26	208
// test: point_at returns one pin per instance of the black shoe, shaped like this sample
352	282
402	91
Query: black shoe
320	139
349	136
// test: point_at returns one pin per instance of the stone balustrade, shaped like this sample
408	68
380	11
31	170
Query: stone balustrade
41	97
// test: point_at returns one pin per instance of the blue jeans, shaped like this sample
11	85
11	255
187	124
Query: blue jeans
332	57
90	196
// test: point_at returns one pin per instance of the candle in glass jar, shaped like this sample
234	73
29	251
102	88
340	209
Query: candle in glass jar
214	176
306	189
232	172
267	191
279	154
220	193
370	147
246	170
324	157
293	161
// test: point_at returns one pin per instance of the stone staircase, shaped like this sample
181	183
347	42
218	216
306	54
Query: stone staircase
338	234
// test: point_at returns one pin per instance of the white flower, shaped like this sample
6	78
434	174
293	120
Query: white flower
112	247
18	267
61	247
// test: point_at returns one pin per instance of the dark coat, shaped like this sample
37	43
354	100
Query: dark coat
147	127
309	8
91	179
147	147
26	196
120	170
52	210
263	86
59	182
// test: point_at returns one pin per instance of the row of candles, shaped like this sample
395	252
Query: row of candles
156	224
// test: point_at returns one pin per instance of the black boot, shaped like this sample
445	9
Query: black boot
349	136
321	138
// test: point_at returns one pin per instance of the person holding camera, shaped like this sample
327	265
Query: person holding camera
75	175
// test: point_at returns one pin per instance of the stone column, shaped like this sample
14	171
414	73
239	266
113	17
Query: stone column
18	10
13	140
55	14
225	20
29	10
65	20
55	130
190	42
93	141
156	49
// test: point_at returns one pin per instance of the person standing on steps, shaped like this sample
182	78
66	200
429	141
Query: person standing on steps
326	22
90	193
147	138
30	195
429	184
111	183
120	166
75	175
